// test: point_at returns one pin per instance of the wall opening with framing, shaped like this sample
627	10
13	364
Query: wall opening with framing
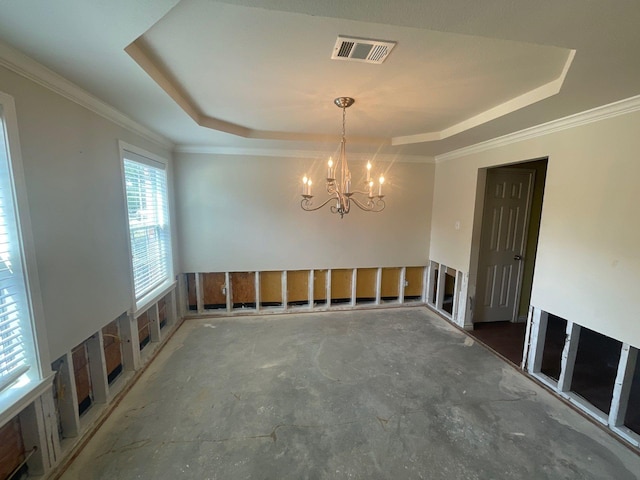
298	288
12	451
366	285
192	296
341	286
144	329
270	289
595	368
112	351
413	280
390	285
82	375
632	414
243	290
319	287
214	291
554	339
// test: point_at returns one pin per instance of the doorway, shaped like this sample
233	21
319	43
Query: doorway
505	239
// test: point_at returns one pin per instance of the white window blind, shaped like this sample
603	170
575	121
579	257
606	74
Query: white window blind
148	210
15	316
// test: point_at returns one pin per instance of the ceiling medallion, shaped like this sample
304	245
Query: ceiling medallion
340	190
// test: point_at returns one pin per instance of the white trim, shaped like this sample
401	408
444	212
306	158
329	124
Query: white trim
21	64
26	247
312	154
163	288
154	296
621	107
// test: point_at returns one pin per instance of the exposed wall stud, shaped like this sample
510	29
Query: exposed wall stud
97	367
440	287
128	327
354	286
311	287
66	389
401	282
199	293
154	323
49	429
569	357
456	293
425	281
463	311
285	293
258	288
622	388
228	287
536	344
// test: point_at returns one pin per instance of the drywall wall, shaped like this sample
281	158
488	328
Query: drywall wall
243	213
75	194
587	268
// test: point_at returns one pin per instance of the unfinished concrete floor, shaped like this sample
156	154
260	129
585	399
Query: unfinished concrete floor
374	394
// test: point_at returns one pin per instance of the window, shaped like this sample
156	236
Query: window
148	212
17	348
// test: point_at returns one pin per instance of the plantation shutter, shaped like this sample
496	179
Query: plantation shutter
148	211
15	318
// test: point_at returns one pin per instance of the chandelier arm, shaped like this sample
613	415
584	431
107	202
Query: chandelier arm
372	205
306	204
366	194
338	184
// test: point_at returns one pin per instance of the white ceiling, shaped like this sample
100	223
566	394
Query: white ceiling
462	72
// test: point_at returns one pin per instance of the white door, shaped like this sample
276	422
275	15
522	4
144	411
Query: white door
505	222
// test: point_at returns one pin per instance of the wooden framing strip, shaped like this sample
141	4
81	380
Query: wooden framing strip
622	387
568	357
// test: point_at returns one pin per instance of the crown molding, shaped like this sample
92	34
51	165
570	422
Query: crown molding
615	109
25	66
306	154
536	95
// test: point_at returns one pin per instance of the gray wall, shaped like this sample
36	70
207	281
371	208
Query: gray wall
243	213
587	269
75	193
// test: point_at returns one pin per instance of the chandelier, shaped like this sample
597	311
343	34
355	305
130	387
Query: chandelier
340	189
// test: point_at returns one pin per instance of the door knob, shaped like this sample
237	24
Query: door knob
517	257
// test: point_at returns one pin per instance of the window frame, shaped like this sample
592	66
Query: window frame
20	393
140	155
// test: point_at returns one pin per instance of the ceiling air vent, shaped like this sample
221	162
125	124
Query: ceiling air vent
362	49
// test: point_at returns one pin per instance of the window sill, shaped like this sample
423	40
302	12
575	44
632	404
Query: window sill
24	391
153	296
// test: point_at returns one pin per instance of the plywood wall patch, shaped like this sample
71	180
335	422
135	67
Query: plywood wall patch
214	290
271	289
298	287
243	289
341	286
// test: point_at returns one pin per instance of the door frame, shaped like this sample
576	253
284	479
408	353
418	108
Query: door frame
477	234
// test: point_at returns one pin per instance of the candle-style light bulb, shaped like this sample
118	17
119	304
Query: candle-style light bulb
330	170
309	187
368	171
380	186
370	188
304	185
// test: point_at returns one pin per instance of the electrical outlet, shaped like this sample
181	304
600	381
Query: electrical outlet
406	283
